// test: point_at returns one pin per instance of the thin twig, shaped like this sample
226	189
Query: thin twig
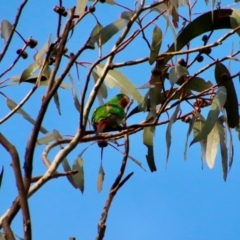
55	175
13	30
113	191
19	105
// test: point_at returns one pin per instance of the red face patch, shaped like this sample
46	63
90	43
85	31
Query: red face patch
124	102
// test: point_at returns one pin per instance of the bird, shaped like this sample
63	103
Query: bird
109	116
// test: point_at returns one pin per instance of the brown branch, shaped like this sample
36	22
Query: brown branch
21	190
8	234
113	191
13	30
56	175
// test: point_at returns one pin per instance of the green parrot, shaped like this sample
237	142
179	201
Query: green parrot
110	115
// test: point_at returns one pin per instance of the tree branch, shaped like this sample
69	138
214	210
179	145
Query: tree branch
113	191
21	190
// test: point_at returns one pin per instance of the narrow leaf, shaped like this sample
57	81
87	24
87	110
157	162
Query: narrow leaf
45	140
40	55
28	71
196	84
11	104
169	129
80	7
212	145
75	98
115	78
223	77
127	15
197	129
67	168
216	106
100	179
223	147
156	44
102	92
78	178
6	28
56	100
1	176
93	34
148	134
176	72
109	31
190	128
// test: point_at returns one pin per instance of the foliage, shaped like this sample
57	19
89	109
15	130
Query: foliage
175	89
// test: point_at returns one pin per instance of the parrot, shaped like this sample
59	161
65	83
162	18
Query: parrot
110	115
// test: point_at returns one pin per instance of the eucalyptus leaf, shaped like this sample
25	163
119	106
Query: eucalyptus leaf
156	44
223	147
75	98
6	29
115	78
108	32
1	176
11	104
169	130
100	179
216	106
78	178
80	7
176	72
148	134
67	168
213	140
223	77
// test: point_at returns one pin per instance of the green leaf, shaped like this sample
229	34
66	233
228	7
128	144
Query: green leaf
223	147
32	79
176	72
78	178
169	129
46	139
212	146
1	176
28	71
216	106
95	32
190	128
100	179
145	105
148	134
102	92
6	28
127	15
67	168
39	57
156	44
11	104
223	77
235	19
196	84
80	7
75	98
197	129
219	19
115	78
109	31
56	101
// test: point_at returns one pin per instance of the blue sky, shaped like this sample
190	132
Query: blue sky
182	201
